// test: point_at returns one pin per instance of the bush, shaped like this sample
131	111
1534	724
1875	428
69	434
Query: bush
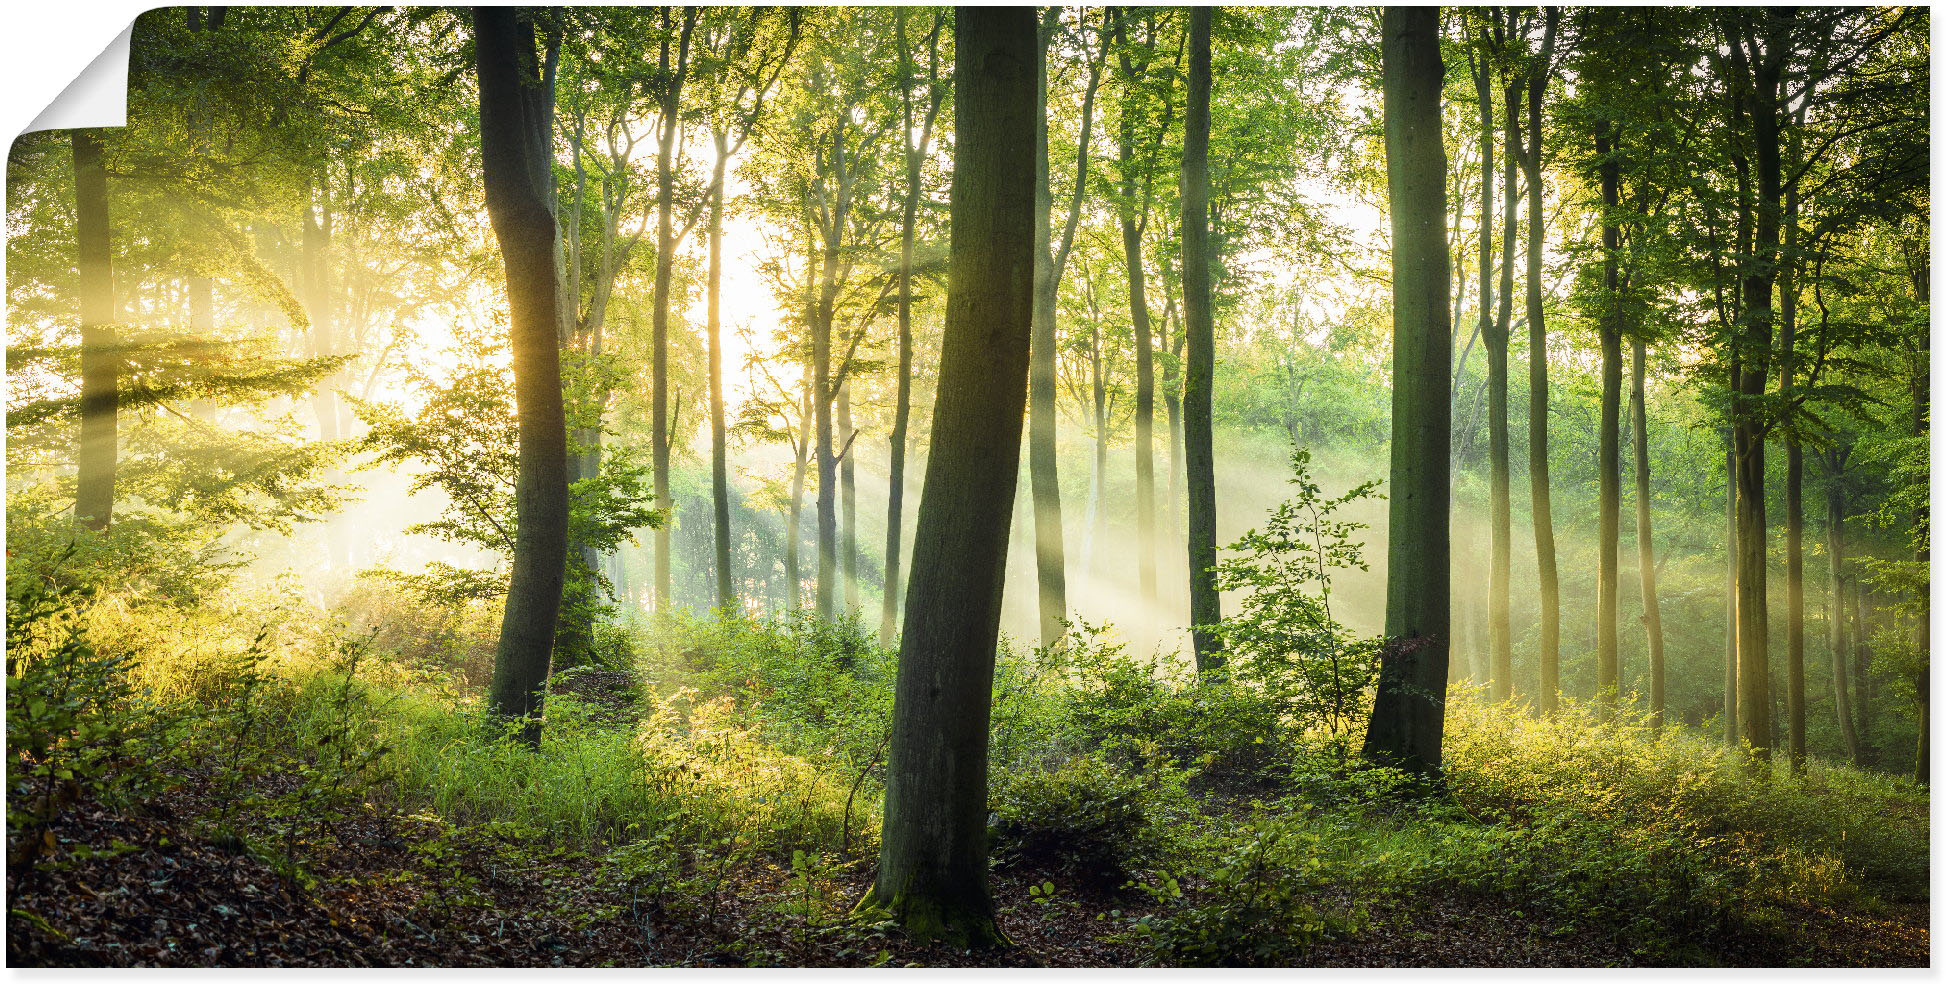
1086	815
1258	904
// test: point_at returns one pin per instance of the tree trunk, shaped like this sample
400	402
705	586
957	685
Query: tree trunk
915	153
1644	539
1759	276
1408	712
848	498
1730	592
1496	333
516	132
1608	680
665	259
932	871
719	455
1205	604
95	456
1049	260
1834	531
1793	496
794	528
1537	448
1138	313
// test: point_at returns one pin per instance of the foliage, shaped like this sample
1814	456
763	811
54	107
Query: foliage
1283	637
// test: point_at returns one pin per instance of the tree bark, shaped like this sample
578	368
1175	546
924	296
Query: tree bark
1408	713
932	871
1608	573
516	132
1730	591
1049	261
1644	538
1205	604
848	499
1834	532
1537	447
665	259
719	454
915	154
95	456
1138	312
1496	333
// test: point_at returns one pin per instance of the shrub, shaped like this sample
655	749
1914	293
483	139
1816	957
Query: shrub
1087	815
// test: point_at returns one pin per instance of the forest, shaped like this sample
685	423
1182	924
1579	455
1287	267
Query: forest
983	486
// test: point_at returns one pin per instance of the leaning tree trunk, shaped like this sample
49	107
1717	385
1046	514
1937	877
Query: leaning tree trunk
1408	713
932	871
1205	604
516	130
1537	447
1608	679
1644	540
94	500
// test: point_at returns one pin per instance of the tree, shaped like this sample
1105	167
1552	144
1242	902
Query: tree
1538	70
1408	713
1050	261
932	871
670	75
743	61
1205	603
918	112
517	164
94	499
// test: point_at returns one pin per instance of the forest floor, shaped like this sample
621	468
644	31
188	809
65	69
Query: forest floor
153	887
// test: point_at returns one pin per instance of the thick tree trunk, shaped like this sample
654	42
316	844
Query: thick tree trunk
1205	604
1408	712
95	456
1537	446
1644	535
1753	573
719	455
516	132
1608	679
932	871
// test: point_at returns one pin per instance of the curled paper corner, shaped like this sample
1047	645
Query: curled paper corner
98	97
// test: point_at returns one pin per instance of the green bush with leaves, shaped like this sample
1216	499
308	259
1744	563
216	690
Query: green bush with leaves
1284	638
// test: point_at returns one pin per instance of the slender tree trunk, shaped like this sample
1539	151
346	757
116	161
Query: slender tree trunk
932	871
1834	531
827	455
1753	603
665	258
1608	679
1496	334
1408	713
1730	592
1042	462
95	457
848	498
1644	538
1793	497
915	152
516	133
1138	308
719	455
794	531
1537	446
1205	604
